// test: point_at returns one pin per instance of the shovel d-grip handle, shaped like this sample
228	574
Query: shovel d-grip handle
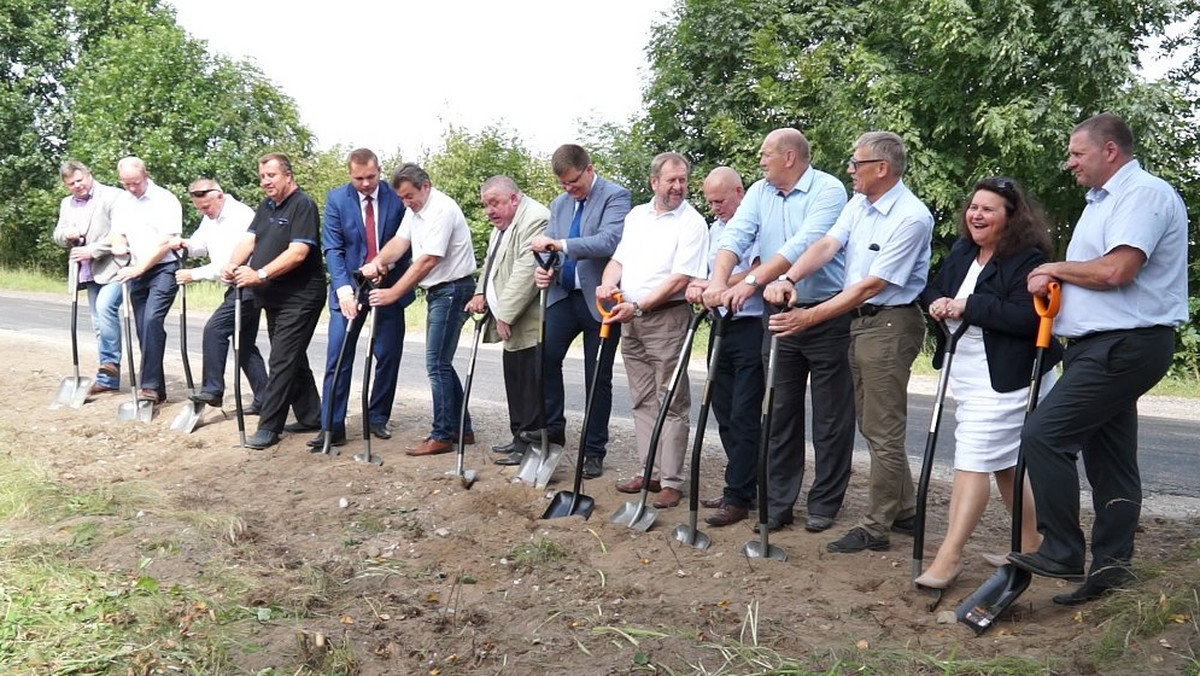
1047	309
605	313
546	259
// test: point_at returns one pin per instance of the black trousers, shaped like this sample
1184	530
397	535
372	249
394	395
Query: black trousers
737	392
217	333
520	381
1093	409
290	382
820	354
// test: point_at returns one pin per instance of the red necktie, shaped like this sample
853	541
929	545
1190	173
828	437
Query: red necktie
372	246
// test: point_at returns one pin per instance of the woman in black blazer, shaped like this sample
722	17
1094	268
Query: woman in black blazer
982	282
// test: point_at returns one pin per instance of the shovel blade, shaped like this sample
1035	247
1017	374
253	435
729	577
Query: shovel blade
757	549
568	503
635	515
980	610
530	463
468	478
72	392
142	411
547	466
188	417
369	458
691	536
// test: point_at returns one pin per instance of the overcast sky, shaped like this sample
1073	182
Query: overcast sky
394	76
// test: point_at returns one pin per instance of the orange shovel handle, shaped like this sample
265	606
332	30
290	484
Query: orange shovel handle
606	313
1047	308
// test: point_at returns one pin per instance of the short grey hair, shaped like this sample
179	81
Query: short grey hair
70	167
660	160
502	182
410	173
886	146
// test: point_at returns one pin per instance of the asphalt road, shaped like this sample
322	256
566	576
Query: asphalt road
1168	447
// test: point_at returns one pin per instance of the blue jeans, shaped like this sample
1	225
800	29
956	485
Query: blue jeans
152	295
444	322
104	300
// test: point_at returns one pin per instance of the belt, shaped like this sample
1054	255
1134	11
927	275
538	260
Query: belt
438	287
869	310
805	306
1115	332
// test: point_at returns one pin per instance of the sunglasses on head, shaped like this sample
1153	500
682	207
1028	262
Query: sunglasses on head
202	193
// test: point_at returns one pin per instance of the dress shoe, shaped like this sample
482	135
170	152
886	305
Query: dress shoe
593	466
206	398
151	396
511	447
431	446
252	409
509	459
1036	563
301	427
905	526
262	439
930	582
1097	586
318	442
997	560
635	485
774	524
719	501
667	498
816	523
535	437
380	431
857	540
726	515
467	439
97	388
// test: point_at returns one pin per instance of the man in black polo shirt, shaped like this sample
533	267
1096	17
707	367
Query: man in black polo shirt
289	283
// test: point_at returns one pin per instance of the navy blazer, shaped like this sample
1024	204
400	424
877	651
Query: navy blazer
600	228
1001	306
344	239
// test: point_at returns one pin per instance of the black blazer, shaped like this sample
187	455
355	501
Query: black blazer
1001	306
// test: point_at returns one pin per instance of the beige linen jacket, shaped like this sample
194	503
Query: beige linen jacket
513	276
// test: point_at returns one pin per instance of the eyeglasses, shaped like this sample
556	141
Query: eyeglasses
568	182
855	164
202	193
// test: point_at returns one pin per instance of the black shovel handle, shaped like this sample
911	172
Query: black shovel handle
547	259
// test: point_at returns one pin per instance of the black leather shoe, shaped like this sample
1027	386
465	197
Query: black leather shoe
318	442
511	447
774	524
1036	563
207	398
1097	586
593	466
509	459
905	526
857	540
262	439
380	431
300	428
816	523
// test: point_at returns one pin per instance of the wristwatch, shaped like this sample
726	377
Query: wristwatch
785	278
637	310
751	280
262	274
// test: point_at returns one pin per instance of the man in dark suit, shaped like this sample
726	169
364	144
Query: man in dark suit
586	222
359	219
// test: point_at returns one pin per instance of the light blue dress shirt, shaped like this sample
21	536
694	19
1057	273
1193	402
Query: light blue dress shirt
753	307
890	240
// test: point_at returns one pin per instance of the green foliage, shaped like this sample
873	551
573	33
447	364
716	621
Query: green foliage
95	80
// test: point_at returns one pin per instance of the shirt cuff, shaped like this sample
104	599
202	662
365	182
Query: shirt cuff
345	291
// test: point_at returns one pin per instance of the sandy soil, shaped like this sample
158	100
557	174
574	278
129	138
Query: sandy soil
418	575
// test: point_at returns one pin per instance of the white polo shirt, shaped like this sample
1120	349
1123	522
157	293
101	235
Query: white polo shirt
440	229
655	246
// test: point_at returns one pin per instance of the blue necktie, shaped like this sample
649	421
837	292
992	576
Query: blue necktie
568	266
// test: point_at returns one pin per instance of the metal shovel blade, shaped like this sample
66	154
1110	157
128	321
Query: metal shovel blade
142	411
188	417
757	549
72	392
368	458
547	466
979	610
468	477
530	463
568	503
636	515
690	535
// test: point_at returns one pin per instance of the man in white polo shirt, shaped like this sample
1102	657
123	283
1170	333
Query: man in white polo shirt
443	261
143	223
663	248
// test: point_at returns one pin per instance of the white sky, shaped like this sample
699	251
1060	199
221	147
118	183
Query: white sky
393	75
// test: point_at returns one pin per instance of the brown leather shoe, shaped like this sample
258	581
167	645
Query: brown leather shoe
727	515
468	438
431	447
634	485
668	497
151	396
97	388
110	369
713	503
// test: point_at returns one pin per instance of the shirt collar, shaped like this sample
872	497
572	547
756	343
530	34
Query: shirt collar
885	203
1115	183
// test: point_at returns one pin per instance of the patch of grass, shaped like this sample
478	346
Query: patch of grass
537	553
1170	606
15	279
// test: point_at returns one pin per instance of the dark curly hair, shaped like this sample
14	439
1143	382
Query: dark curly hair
1027	223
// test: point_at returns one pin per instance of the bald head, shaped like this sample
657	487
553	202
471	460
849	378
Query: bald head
132	173
723	191
784	157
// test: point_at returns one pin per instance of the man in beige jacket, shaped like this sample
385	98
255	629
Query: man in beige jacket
506	290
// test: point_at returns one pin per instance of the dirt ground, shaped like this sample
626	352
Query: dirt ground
416	575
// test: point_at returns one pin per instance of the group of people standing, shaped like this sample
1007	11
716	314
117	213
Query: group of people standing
840	284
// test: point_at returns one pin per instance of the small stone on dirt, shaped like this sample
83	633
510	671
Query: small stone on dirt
442	532
947	617
343	503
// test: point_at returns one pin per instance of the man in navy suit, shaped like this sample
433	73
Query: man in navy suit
586	222
359	219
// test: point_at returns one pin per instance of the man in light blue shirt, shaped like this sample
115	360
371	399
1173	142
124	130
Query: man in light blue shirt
1124	289
885	232
789	209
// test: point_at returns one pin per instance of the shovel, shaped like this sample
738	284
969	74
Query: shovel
190	415
918	556
637	515
327	446
468	476
575	503
762	547
366	456
537	465
73	391
237	365
132	410
687	533
979	610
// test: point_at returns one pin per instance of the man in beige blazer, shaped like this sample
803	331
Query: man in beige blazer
506	290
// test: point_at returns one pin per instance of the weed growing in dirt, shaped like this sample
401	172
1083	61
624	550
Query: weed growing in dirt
540	552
